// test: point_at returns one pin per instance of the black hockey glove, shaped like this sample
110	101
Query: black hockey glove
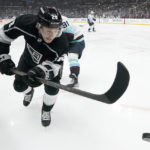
32	77
46	70
6	64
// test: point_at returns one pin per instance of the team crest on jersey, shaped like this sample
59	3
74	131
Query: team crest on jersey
35	55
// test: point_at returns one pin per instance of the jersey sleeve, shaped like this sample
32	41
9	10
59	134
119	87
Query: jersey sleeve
76	38
9	32
72	31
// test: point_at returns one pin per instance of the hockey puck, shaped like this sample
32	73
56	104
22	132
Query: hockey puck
146	137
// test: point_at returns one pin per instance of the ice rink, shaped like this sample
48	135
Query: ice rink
79	123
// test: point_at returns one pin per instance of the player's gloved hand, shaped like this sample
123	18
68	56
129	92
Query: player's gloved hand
32	77
6	64
47	70
94	19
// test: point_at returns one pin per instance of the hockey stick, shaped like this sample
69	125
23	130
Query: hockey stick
117	89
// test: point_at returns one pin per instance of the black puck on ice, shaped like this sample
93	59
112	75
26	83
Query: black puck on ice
146	137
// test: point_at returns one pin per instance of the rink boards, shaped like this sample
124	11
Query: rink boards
102	21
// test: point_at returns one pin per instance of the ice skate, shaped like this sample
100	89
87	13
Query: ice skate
45	118
28	98
73	81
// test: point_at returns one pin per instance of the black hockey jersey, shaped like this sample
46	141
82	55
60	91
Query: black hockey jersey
36	50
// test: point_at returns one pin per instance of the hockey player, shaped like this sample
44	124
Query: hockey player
47	39
91	20
75	50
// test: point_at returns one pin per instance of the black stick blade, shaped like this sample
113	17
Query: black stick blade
119	85
146	137
117	89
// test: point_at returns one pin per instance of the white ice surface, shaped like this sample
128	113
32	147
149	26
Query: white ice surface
79	123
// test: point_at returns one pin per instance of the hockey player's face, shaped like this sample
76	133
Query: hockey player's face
49	34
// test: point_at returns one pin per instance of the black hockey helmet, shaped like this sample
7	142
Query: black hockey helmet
49	17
